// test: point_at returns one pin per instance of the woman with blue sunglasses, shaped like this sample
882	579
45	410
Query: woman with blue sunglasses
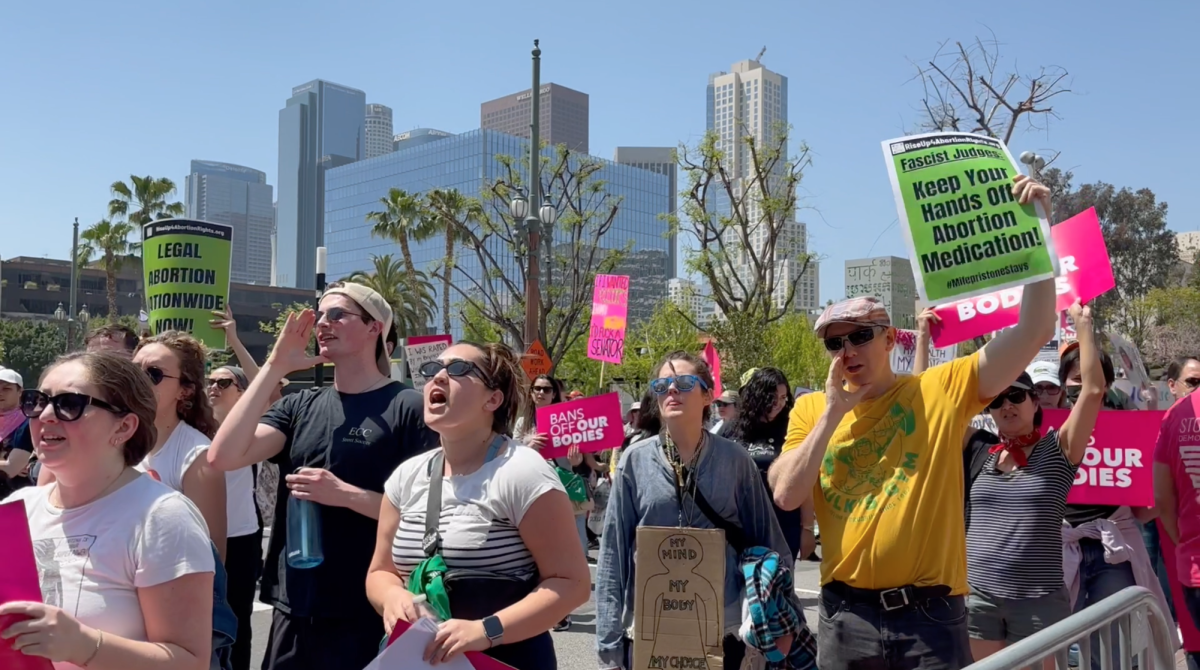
658	483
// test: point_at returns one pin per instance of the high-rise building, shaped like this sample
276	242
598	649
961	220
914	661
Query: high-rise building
889	278
468	162
752	101
379	130
1189	246
563	116
416	137
239	197
662	161
321	127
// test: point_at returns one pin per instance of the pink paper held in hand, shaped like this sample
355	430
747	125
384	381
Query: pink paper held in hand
18	582
477	660
1118	465
1086	274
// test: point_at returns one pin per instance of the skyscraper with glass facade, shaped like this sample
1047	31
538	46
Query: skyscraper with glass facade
468	162
323	126
239	197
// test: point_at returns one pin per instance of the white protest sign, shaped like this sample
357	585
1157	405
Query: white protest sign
905	352
422	349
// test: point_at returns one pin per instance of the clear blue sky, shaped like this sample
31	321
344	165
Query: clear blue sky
94	92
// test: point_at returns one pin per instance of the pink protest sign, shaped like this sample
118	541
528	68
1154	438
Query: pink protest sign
592	424
610	306
18	581
714	364
1118	466
1086	273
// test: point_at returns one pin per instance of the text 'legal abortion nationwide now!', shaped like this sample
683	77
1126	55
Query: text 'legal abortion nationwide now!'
186	265
966	232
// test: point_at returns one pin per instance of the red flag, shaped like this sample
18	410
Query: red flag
714	363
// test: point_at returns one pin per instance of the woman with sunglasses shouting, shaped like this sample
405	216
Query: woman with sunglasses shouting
666	480
124	563
1018	494
477	525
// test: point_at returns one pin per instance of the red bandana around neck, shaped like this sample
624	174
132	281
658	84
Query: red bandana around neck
1016	446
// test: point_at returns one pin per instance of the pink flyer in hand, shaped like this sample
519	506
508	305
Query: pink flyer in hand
18	581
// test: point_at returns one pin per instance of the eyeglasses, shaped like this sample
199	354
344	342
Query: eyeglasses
1015	396
542	389
857	338
67	406
683	384
1049	389
337	314
455	368
156	375
219	383
1191	382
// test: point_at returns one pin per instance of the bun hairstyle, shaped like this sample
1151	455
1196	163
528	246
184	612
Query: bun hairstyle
194	407
503	369
702	371
122	384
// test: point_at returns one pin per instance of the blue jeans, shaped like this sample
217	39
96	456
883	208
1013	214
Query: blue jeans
1154	549
1097	581
928	635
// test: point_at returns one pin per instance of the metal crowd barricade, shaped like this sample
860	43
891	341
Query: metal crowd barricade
1143	632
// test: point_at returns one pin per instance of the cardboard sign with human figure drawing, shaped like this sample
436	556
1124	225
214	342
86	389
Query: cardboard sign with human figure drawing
679	602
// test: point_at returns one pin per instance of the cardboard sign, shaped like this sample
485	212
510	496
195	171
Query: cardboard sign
1130	360
904	354
679	598
18	582
610	306
186	267
714	364
422	349
1118	466
967	233
592	424
1086	273
536	361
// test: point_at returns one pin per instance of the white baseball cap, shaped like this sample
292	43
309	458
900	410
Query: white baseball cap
373	304
1043	372
11	376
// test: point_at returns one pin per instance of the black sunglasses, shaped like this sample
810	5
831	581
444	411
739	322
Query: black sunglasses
67	406
1191	382
455	368
857	338
156	375
222	384
1015	396
337	314
684	383
542	389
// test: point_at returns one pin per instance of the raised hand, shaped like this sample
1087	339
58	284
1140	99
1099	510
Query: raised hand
926	319
1080	314
291	347
1026	190
224	321
838	400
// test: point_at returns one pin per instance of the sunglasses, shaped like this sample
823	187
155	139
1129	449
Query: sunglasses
337	314
67	406
542	389
219	383
1015	396
721	405
683	384
1047	389
1191	382
456	368
156	375
857	338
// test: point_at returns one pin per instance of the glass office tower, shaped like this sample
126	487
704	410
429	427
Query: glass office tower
240	197
466	162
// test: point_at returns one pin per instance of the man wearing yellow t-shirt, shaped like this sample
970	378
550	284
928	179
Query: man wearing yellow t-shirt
881	456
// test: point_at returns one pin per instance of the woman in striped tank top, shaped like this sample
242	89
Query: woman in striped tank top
1016	502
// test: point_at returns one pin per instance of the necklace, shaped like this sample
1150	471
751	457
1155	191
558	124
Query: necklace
685	475
58	490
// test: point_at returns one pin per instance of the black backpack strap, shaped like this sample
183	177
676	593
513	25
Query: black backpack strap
432	542
734	535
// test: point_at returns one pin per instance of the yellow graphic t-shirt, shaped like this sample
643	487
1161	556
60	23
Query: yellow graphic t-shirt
889	500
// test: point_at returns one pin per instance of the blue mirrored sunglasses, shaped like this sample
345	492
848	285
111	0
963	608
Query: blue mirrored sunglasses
683	383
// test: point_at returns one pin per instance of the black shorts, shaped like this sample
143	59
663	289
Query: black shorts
315	643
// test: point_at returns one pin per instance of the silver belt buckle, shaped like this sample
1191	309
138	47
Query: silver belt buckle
893	599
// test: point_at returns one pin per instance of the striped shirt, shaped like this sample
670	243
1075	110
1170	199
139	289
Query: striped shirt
481	512
1014	540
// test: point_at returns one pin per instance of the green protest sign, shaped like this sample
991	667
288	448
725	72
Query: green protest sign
967	235
186	266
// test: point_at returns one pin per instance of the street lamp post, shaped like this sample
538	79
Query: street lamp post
74	280
319	372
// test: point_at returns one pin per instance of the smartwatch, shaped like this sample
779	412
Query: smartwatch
493	629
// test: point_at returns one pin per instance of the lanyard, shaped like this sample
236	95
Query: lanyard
494	449
683	476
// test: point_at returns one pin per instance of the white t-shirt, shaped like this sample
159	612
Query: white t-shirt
481	512
92	559
171	463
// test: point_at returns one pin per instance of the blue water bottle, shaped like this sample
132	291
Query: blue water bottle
304	534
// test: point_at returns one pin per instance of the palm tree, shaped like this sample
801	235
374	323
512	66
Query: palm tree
110	241
453	210
402	218
411	310
145	201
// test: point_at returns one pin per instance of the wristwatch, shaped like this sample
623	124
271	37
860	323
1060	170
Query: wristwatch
493	629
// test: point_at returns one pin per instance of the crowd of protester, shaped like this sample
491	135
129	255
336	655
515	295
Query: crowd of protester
149	483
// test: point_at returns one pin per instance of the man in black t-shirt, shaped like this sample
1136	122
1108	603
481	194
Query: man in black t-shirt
334	446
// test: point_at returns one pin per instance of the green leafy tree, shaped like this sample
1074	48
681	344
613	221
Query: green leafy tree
403	218
144	199
29	346
412	304
1173	324
274	327
475	325
450	209
109	242
798	352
